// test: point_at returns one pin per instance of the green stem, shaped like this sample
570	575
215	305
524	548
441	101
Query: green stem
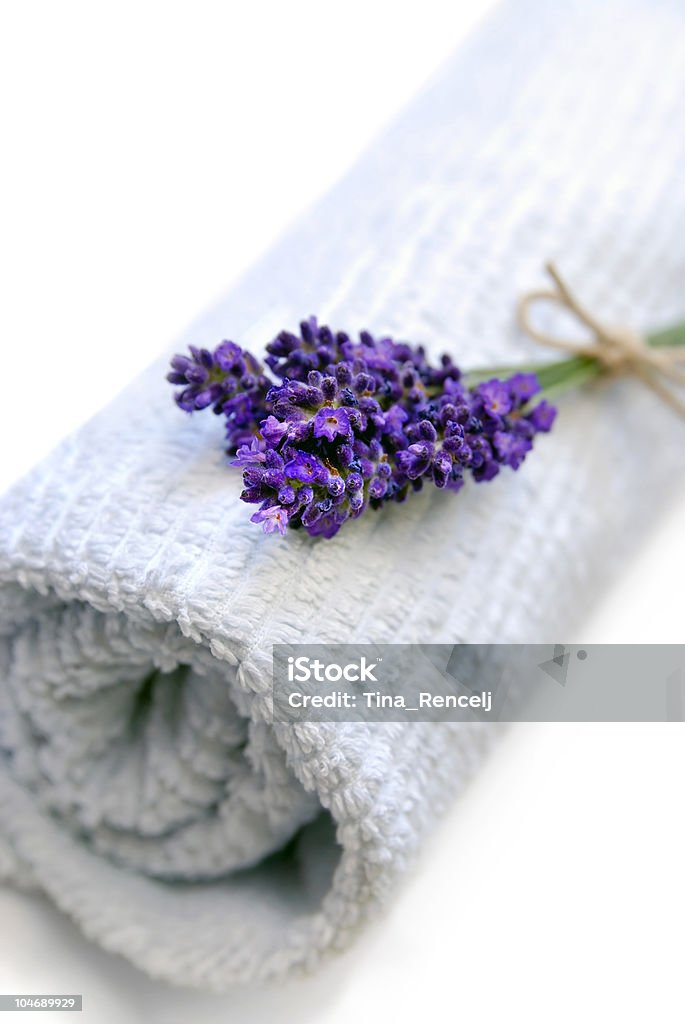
571	380
674	335
566	374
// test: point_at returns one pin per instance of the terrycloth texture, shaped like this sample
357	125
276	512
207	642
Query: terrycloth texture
139	605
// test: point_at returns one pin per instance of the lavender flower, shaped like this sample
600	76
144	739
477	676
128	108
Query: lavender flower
542	417
230	380
349	425
330	423
273	518
494	397
250	454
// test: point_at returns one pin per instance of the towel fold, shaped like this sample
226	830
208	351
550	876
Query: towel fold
142	786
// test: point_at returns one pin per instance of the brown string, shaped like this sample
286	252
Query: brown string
619	349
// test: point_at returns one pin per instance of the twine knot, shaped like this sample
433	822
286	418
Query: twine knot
618	348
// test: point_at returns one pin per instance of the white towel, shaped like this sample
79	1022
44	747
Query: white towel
140	786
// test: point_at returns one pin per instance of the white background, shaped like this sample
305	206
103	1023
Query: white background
151	152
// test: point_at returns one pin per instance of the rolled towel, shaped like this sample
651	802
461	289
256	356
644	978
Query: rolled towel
142	786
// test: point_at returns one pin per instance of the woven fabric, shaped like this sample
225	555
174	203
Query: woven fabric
141	786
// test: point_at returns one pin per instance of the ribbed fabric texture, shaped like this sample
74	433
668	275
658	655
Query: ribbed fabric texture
141	785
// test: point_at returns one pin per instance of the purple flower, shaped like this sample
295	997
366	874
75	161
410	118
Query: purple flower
522	387
228	379
486	471
273	518
510	448
495	397
227	356
248	455
329	423
377	488
416	459
305	467
273	430
442	469
542	416
345	425
395	418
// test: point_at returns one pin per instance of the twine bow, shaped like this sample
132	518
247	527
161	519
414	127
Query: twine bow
619	349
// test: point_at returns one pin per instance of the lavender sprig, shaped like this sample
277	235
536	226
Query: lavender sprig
350	425
228	379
